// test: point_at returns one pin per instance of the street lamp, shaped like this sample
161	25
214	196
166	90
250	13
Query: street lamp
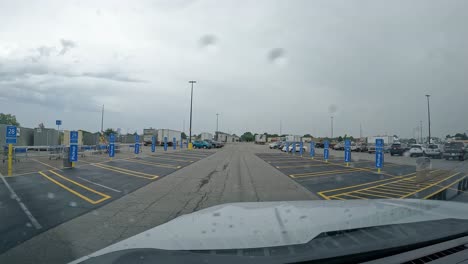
331	120
191	102
429	117
216	132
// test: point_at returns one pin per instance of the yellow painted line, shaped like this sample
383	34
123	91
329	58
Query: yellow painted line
164	158
337	198
427	187
105	196
128	170
45	164
386	188
382	192
299	166
190	154
362	184
375	195
155	164
323	172
445	188
373	187
125	172
354	196
181	156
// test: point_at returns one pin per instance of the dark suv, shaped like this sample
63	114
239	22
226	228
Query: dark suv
398	149
455	150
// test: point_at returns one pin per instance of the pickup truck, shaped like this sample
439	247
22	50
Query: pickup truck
455	150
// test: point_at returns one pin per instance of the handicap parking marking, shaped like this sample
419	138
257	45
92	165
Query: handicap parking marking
126	171
155	164
82	196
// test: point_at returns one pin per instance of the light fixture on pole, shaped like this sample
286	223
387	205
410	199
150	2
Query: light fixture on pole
191	103
429	117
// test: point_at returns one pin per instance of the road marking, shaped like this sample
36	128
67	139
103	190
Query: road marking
181	156
95	183
427	187
154	164
444	188
381	192
128	172
163	158
375	195
322	172
26	211
105	196
299	166
45	164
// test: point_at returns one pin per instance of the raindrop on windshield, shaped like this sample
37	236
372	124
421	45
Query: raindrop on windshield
72	204
28	224
95	212
208	43
50	195
217	214
277	56
332	109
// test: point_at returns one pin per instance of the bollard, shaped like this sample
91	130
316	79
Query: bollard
10	159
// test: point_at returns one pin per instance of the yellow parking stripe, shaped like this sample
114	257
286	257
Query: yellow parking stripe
127	172
181	156
155	164
164	158
380	192
299	166
375	195
354	196
392	189
427	187
444	188
105	196
320	172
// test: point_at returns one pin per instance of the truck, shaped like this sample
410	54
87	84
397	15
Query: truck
206	136
170	134
260	139
148	134
291	138
388	141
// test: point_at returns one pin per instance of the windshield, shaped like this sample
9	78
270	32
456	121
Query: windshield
197	125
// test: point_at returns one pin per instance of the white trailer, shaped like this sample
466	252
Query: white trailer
170	134
291	138
205	136
388	140
260	139
148	134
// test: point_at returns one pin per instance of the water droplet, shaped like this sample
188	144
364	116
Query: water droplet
214	224
208	43
332	109
72	204
346	210
284	232
12	196
131	220
203	231
303	217
147	234
213	230
142	257
217	214
338	178
231	226
28	224
278	56
50	195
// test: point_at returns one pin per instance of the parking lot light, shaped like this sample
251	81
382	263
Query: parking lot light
190	146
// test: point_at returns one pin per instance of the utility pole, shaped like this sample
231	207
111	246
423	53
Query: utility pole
420	132
183	126
331	120
280	129
102	119
429	117
216	132
191	103
360	131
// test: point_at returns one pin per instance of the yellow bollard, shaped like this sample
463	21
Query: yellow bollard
190	146
347	164
378	170
73	164
10	159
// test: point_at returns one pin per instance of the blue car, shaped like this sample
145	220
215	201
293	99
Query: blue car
201	144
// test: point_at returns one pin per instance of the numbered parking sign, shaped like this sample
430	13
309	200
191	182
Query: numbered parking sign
73	137
347	153
73	153
11	131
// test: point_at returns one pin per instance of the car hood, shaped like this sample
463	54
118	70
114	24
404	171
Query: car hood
268	224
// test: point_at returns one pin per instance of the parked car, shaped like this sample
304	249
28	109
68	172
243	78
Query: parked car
319	145
361	147
201	144
298	148
398	149
212	142
274	145
455	150
417	150
353	146
434	151
339	146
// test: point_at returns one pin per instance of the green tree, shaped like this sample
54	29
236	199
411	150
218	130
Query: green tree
8	119
109	131
248	137
340	138
308	135
184	136
447	136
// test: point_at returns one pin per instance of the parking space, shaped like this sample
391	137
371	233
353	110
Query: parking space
336	180
50	196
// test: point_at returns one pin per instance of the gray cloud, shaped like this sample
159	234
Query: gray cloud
114	76
66	46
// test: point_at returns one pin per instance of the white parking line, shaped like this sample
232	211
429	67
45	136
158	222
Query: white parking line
103	186
21	204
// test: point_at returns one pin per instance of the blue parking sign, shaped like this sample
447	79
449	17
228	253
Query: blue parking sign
301	146
174	143
347	150
73	137
73	155
112	138
293	150
379	156
153	144
11	131
58	122
325	150
312	149
111	150
137	148
137	139
287	146
165	143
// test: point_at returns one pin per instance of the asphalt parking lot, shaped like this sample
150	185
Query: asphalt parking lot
335	180
34	201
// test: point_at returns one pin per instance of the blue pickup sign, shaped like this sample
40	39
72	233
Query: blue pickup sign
153	144
111	145
347	153
73	137
325	150
73	153
379	157
312	149
174	143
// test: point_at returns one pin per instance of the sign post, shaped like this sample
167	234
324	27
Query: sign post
174	143
379	157
301	146
312	149
325	150
10	140
153	144
293	150
181	142
287	147
137	144
58	123
165	143
347	154
111	146
73	154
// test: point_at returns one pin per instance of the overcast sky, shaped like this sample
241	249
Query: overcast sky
255	63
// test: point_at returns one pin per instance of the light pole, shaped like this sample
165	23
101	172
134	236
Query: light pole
331	121
429	117
217	115
191	102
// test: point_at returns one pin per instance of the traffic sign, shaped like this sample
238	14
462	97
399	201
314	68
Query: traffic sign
293	150
347	150
111	150
58	122
181	143
379	157
137	148
165	143
111	138
301	146
174	143
73	153
137	139
325	150
287	147
73	137
153	144
312	149
11	140
11	131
